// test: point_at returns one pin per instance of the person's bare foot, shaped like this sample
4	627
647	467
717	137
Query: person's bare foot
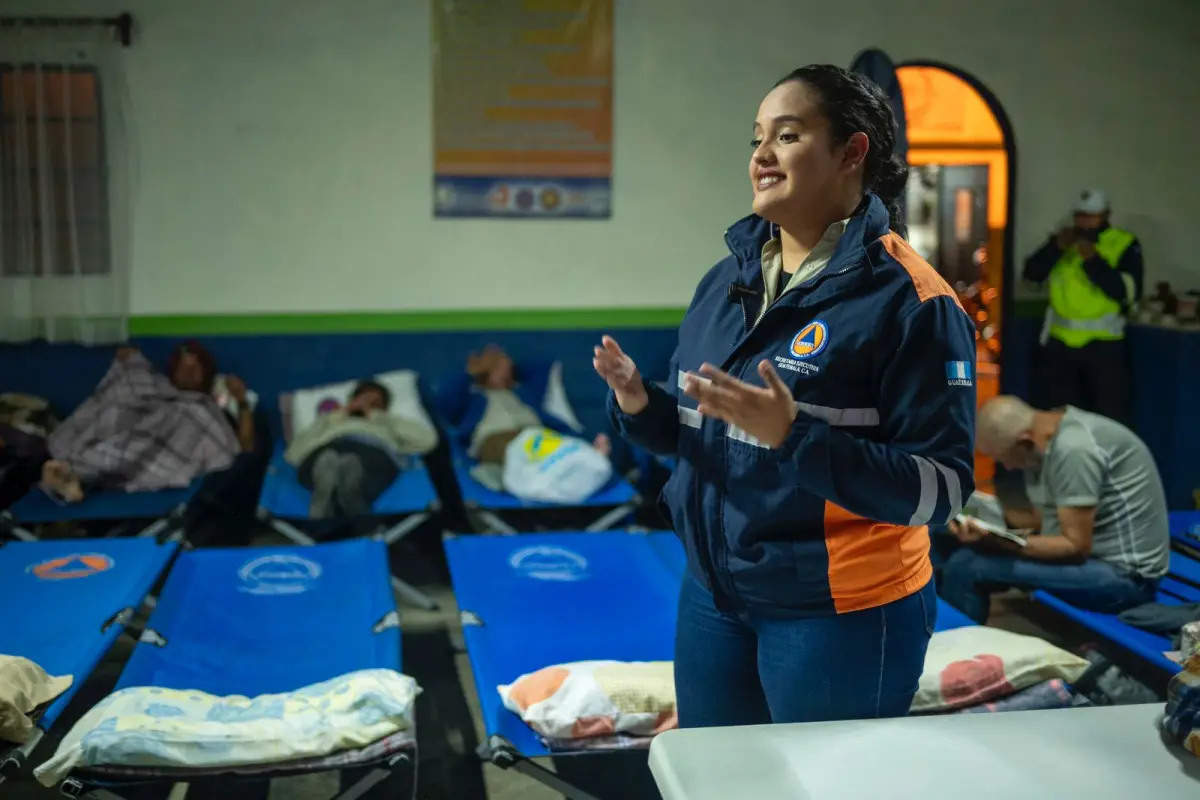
58	479
602	444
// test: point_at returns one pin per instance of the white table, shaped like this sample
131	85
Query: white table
1086	753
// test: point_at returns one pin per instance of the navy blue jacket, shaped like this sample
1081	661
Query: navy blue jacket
880	357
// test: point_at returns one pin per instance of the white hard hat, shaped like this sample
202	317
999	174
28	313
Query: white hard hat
1091	201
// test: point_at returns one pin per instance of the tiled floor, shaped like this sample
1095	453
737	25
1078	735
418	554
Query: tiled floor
1010	612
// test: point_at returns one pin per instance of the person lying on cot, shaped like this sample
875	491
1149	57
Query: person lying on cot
349	455
143	431
496	408
521	448
1098	505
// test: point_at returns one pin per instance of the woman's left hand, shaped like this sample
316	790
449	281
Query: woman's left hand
766	413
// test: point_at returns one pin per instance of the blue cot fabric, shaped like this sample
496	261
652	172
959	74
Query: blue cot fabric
668	546
544	599
616	492
1185	527
547	599
284	497
253	621
1187	571
36	508
1181	585
56	598
950	618
1148	646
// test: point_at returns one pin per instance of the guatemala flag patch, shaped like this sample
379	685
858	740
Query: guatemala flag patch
958	373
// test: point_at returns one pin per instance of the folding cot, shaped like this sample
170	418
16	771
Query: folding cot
545	599
1181	585
284	506
165	509
412	498
64	603
614	502
160	513
253	621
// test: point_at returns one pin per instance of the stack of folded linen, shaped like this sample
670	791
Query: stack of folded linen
25	690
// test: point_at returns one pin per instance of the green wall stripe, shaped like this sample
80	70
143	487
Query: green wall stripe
416	321
429	321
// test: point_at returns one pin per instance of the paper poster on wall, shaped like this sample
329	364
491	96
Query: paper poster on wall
522	108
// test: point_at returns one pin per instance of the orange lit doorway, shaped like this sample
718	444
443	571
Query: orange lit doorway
959	201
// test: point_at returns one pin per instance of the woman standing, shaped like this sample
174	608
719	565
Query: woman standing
803	495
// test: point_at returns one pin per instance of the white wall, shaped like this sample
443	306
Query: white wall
283	153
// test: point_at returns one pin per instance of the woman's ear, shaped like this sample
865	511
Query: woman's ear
854	154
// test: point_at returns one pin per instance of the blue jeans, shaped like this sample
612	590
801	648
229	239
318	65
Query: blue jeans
969	578
747	669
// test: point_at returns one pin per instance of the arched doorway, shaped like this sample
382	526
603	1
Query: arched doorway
960	200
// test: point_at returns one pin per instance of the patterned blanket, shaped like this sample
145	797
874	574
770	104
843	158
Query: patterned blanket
137	432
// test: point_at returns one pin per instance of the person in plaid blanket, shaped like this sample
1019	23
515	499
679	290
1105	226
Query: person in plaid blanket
142	431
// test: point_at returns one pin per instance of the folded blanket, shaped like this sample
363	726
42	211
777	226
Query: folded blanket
1048	694
1161	619
190	730
24	688
137	432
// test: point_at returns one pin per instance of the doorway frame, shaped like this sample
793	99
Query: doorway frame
1008	267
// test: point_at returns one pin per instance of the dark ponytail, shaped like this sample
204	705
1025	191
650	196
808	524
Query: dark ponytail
854	103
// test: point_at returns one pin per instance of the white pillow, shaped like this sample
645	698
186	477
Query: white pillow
587	699
968	666
406	398
555	401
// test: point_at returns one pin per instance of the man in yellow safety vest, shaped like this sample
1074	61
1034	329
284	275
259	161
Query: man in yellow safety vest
1095	274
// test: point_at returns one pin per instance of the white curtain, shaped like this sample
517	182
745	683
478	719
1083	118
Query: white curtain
64	186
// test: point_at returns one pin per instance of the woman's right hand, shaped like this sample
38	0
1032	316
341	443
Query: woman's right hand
621	375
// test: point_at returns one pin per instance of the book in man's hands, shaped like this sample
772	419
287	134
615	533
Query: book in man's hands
1015	536
985	512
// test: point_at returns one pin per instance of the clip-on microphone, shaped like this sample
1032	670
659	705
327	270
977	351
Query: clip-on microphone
745	296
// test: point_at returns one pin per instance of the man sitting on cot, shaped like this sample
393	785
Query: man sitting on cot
144	431
502	427
1098	506
350	455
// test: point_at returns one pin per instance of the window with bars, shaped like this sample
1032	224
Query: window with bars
54	215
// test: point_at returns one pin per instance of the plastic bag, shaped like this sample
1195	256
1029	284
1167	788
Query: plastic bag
1182	720
543	466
